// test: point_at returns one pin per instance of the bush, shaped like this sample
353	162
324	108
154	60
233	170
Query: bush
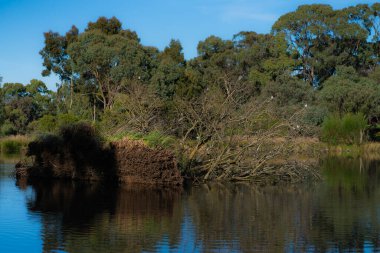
315	115
46	124
7	129
76	149
10	147
13	144
51	124
347	130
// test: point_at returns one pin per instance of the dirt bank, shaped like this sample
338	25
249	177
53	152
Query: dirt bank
77	154
138	163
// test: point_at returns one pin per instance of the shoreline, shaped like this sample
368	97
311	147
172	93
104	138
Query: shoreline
145	165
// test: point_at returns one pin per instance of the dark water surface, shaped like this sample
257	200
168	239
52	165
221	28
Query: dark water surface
339	214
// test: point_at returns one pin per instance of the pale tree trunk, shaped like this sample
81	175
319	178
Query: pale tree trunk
71	92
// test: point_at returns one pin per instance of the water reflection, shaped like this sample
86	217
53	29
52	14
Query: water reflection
339	214
83	217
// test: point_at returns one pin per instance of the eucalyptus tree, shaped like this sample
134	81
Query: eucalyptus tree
25	103
105	58
56	59
348	92
170	73
109	63
322	39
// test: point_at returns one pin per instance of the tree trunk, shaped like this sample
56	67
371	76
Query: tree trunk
71	92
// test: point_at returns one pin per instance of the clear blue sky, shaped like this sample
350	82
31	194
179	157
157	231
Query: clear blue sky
23	22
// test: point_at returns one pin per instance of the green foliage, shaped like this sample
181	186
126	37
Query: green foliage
347	92
23	104
46	124
157	139
315	115
315	55
10	147
109	59
321	38
13	144
347	130
7	128
170	73
289	91
51	124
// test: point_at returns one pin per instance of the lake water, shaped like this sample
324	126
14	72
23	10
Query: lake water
339	214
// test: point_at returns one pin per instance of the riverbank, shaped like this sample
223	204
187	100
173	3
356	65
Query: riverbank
78	152
369	150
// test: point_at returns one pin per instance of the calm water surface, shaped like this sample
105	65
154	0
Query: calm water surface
339	214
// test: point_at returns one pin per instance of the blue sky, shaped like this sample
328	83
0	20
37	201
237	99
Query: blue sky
22	23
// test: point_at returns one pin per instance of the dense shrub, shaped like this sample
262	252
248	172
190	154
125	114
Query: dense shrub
346	130
76	147
13	144
7	129
10	147
51	124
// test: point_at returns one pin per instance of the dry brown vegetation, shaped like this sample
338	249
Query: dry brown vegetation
227	136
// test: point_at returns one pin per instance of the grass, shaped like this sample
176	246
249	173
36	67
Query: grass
153	139
13	144
369	150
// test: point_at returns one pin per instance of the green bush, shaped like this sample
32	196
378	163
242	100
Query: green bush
346	130
10	147
7	129
46	124
66	119
51	124
13	144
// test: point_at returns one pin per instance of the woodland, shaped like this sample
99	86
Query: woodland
231	112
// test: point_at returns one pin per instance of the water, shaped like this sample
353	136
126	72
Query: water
339	214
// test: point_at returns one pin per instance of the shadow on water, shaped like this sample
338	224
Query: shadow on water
338	214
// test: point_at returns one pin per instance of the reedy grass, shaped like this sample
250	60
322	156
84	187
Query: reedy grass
153	139
14	144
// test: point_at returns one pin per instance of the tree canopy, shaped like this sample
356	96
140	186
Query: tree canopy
325	58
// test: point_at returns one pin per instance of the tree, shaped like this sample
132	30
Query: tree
263	57
348	92
104	57
218	64
170	73
24	104
323	39
109	63
56	58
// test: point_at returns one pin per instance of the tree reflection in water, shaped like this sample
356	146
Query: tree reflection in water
338	214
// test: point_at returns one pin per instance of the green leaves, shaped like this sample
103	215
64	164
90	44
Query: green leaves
23	104
325	38
347	92
346	130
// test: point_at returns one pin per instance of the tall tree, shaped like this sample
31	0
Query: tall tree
324	38
56	59
105	58
109	63
25	103
170	73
